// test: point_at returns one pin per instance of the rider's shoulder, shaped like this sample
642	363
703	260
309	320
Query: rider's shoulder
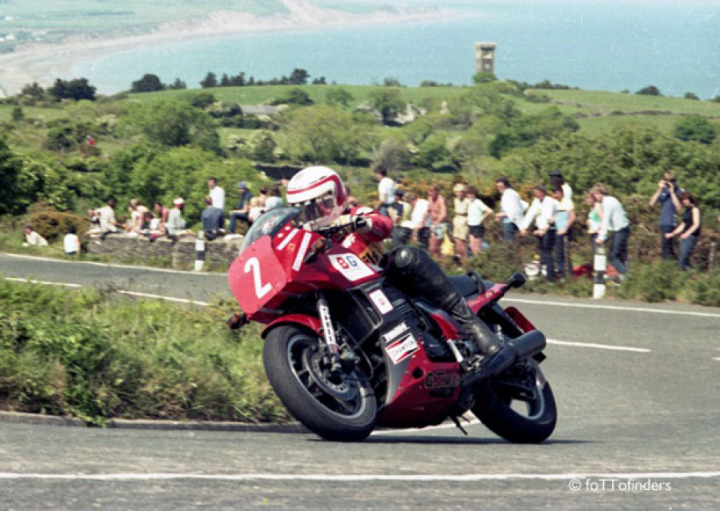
362	210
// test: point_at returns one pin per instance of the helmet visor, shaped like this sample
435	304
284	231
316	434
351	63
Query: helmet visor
316	209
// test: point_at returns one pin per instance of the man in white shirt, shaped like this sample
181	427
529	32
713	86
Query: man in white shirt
33	238
419	220
511	209
556	179
106	214
614	219
542	212
386	190
217	194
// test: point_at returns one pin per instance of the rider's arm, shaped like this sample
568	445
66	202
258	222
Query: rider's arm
379	226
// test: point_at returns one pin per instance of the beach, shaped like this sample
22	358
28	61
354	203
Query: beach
43	63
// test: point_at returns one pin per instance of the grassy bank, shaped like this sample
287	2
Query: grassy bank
95	356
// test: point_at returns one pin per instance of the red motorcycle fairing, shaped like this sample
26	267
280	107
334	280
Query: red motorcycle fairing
309	322
271	270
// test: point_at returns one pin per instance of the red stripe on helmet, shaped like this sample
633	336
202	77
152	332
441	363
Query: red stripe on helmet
338	186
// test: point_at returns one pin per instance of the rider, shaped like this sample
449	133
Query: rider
321	195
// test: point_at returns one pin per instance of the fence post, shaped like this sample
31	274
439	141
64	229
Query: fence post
599	267
200	251
713	255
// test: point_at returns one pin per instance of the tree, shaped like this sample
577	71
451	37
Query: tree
18	114
694	128
203	100
298	77
178	84
339	97
691	95
319	81
10	183
483	77
148	83
294	97
33	90
225	80
388	102
392	82
209	81
650	90
174	123
77	89
322	133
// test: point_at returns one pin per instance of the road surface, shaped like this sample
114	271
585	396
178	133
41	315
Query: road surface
638	391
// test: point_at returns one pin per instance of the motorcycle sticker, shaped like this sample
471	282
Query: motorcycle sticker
382	304
396	332
402	349
303	250
442	380
351	267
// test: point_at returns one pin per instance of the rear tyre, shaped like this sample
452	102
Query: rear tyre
496	404
341	408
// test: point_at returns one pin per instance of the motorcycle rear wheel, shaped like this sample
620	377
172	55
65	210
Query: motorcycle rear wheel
496	405
336	408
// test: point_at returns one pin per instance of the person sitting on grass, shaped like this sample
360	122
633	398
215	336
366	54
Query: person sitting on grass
71	241
33	239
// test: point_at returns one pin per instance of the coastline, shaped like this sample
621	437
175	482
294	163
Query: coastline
43	63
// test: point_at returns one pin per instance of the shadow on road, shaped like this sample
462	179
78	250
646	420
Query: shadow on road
398	439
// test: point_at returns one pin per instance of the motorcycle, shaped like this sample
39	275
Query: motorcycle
347	352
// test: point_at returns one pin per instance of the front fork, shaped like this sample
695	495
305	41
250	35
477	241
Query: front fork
337	361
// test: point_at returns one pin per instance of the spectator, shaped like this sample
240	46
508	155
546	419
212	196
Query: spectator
437	208
176	223
243	207
667	195
386	190
212	220
419	220
262	196
542	211
162	218
257	207
275	200
688	230
556	179
564	220
511	209
460	220
401	212
32	238
614	219
137	216
94	223
594	219
71	241
108	223
478	212
216	193
352	202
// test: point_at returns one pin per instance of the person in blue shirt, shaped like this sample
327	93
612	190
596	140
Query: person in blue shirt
669	206
243	207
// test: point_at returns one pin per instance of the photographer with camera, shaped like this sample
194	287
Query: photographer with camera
667	195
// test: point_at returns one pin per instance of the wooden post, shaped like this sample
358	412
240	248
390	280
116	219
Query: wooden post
713	255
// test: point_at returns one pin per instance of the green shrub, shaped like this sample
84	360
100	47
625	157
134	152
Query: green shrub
705	289
655	282
97	356
52	224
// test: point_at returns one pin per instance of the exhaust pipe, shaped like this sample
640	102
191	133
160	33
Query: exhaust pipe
512	351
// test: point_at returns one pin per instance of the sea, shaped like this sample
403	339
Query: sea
608	45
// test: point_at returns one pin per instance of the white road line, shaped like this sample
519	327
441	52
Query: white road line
718	359
613	308
355	477
43	282
161	297
598	346
109	265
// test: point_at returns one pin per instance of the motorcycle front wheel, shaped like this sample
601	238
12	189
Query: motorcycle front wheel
518	405
340	407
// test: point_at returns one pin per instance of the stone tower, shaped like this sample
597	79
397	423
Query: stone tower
485	57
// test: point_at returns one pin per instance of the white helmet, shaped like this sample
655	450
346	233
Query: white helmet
319	193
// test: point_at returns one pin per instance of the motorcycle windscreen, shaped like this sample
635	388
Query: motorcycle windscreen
256	276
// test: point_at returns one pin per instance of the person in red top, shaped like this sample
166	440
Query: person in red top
322	197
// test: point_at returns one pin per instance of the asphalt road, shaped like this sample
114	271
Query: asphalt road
638	393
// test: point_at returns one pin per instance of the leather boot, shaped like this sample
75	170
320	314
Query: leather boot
487	342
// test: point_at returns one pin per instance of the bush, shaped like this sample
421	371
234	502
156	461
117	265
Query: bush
52	224
650	90
655	282
96	357
705	290
694	128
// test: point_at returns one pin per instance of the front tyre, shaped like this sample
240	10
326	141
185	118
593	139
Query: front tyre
336	407
518	405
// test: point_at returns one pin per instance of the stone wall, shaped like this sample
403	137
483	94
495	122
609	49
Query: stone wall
180	254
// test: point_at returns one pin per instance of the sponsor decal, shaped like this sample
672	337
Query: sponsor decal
349	240
301	253
328	330
382	304
396	332
402	349
351	267
442	380
287	240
